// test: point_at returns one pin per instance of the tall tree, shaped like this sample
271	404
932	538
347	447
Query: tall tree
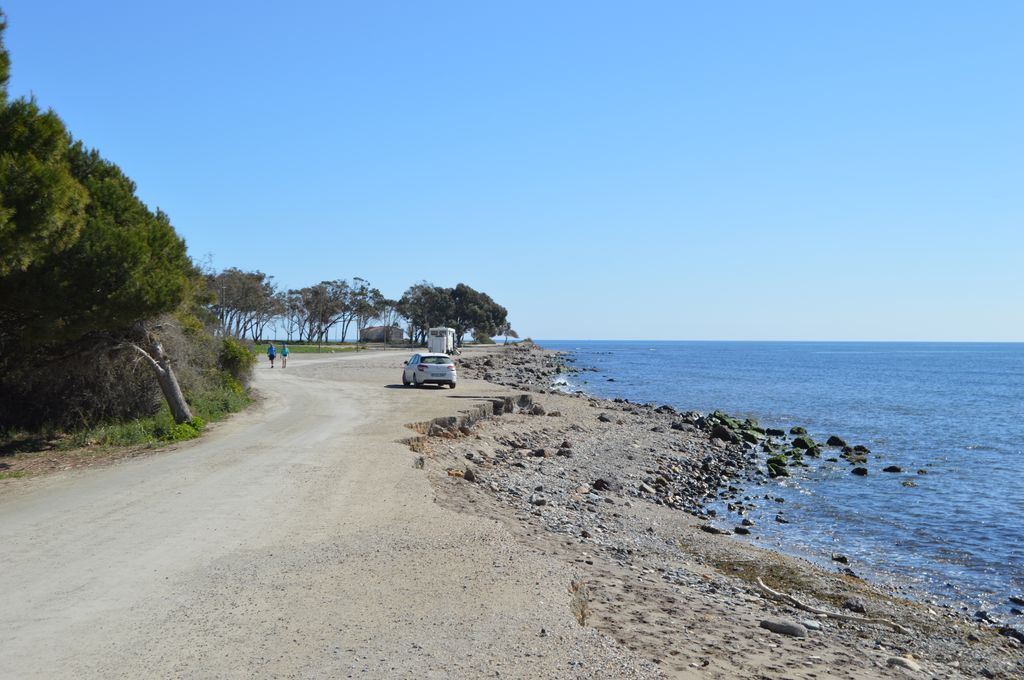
245	302
364	301
127	266
389	314
475	311
42	207
341	295
425	306
507	330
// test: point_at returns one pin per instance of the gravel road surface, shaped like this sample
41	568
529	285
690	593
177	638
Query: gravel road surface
294	540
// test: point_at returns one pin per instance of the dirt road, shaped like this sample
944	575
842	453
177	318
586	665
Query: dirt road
295	540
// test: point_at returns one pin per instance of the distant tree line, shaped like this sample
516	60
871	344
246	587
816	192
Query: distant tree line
247	304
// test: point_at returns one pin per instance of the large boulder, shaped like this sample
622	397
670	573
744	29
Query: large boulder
777	466
790	628
720	431
726	420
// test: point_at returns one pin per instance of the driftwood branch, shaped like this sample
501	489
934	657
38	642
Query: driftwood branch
793	602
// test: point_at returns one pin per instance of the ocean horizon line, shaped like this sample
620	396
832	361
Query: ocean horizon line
807	342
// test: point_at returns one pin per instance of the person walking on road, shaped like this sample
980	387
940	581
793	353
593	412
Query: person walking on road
284	355
271	354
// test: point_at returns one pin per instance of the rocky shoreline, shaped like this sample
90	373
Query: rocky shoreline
621	490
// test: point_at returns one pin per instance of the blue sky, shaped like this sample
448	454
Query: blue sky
741	170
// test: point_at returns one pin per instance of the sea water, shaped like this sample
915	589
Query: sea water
951	416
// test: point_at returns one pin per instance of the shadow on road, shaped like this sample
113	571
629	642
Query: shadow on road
410	387
29	445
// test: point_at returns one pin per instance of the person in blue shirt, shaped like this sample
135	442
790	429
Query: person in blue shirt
284	355
271	354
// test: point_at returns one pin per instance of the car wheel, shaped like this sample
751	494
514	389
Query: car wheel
415	382
452	384
405	381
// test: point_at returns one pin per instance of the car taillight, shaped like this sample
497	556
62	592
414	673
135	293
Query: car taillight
451	366
422	367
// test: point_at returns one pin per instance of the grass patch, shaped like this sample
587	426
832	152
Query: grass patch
13	474
207	406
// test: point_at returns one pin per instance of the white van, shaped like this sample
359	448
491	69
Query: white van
441	340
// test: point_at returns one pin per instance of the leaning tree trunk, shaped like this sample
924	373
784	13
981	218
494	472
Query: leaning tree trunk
153	351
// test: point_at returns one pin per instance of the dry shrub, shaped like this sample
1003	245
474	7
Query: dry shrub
579	601
97	381
75	389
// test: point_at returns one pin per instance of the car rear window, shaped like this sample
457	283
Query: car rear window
436	360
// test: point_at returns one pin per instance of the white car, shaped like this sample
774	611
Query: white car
432	369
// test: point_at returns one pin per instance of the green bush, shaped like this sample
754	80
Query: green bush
237	359
183	431
210	404
216	401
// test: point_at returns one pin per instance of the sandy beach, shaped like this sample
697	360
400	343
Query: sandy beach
333	531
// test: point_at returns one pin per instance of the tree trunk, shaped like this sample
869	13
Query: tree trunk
158	360
172	393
